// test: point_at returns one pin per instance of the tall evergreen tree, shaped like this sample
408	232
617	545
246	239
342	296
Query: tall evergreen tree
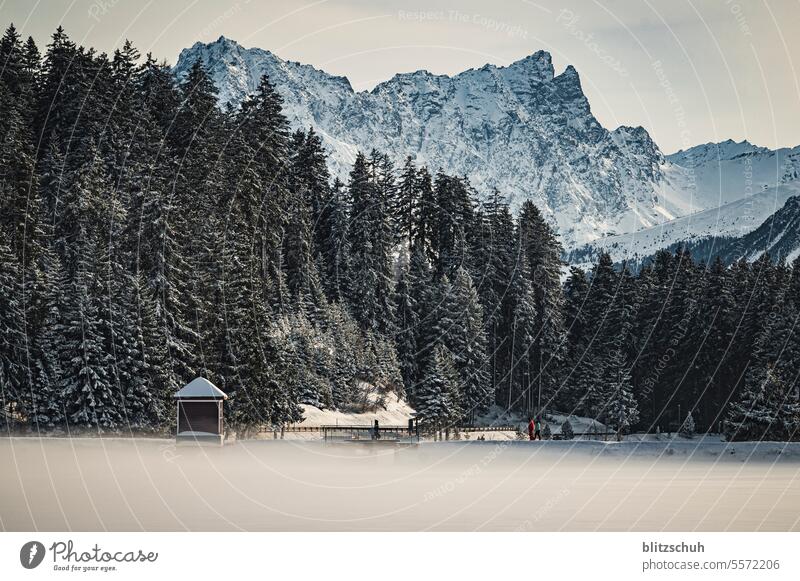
439	395
370	241
467	341
543	254
12	340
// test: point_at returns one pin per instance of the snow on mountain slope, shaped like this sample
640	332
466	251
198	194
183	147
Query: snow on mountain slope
520	128
718	173
779	235
734	219
528	132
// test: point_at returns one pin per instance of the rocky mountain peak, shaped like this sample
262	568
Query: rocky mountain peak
519	128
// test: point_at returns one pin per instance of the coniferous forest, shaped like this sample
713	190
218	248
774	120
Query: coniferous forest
148	237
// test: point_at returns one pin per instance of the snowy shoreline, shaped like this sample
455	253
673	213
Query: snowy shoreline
700	449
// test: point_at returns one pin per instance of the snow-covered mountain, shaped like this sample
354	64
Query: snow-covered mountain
779	235
741	184
731	220
520	128
718	173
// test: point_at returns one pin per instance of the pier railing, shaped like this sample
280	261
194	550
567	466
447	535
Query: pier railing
370	434
395	433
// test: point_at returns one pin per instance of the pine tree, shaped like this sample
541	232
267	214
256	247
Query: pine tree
588	385
467	341
59	99
494	250
754	416
370	241
91	399
407	311
138	384
334	243
520	325
714	332
19	199
428	208
12	340
46	407
453	219
566	430
422	297
622	411
406	203
597	373
543	254
302	278
687	428
438	394
576	291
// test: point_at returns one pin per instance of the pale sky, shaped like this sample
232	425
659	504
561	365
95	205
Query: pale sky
689	71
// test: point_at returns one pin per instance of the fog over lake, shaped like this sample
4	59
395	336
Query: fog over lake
86	484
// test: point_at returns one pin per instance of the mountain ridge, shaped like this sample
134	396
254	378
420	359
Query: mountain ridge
519	128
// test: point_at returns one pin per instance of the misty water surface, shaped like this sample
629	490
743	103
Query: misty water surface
131	485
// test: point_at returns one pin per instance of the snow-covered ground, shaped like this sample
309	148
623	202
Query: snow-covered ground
500	417
396	413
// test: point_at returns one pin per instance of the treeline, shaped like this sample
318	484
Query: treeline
148	237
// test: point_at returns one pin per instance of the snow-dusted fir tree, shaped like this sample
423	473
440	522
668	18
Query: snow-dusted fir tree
407	312
91	399
310	178
466	340
406	202
424	229
45	404
424	300
370	277
451	223
687	429
348	345
13	376
585	381
493	251
592	383
19	195
334	244
622	410
522	390
385	375
438	395
576	289
754	416
717	324
543	254
308	189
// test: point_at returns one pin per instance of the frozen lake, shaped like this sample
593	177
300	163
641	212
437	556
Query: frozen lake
114	484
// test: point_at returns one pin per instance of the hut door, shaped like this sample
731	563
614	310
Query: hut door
199	416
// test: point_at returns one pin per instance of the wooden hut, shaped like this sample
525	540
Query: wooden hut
200	412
